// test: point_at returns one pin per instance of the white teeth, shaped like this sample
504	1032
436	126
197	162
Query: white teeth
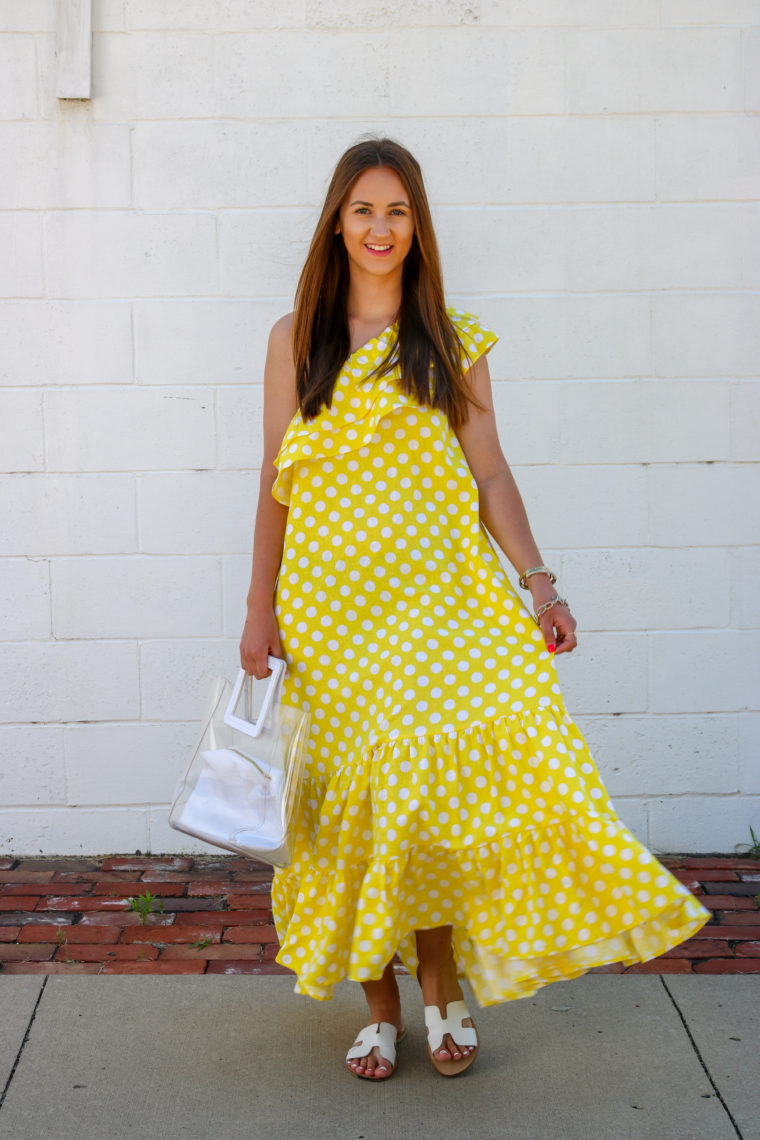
378	247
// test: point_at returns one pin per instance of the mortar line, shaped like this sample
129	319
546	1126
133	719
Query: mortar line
700	1058
23	1043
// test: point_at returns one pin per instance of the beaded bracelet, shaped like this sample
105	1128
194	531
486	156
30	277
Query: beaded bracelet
555	601
536	570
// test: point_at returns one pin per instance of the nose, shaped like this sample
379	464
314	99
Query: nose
380	227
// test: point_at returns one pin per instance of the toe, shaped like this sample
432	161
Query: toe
383	1067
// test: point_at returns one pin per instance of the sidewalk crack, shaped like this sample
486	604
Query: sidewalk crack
726	1109
23	1043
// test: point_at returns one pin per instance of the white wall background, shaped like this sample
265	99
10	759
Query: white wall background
594	167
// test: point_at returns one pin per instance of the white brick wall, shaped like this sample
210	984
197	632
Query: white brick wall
86	165
42	342
94	253
594	169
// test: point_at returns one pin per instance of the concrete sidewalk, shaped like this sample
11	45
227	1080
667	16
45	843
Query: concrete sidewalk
602	1057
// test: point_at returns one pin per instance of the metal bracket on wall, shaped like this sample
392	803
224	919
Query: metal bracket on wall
73	49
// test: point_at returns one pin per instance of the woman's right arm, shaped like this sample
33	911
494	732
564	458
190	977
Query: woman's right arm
261	634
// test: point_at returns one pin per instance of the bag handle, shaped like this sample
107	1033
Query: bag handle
254	728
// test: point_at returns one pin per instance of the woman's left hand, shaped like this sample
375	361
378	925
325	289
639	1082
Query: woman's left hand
557	625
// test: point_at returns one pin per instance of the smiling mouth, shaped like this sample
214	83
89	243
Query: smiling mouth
378	248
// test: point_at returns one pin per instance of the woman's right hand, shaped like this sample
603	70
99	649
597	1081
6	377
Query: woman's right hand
261	638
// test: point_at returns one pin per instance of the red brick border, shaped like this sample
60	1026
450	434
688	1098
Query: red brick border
71	915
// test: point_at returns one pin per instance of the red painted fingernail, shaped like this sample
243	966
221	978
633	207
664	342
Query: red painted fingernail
551	647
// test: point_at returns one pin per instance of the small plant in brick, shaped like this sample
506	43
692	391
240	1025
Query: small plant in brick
754	853
144	905
201	944
61	939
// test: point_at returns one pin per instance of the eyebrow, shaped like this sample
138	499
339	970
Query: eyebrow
358	202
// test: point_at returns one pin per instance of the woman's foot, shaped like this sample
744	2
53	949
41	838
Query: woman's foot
384	1004
374	1065
440	991
453	1025
437	976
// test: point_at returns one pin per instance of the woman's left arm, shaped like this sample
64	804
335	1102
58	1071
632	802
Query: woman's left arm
502	509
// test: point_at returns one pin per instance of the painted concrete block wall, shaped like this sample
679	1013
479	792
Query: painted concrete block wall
594	168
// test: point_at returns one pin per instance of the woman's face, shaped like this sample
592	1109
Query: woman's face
376	222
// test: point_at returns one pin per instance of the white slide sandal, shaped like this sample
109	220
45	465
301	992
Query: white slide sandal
461	1034
381	1035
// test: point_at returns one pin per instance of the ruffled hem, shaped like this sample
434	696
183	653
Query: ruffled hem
514	978
491	899
545	898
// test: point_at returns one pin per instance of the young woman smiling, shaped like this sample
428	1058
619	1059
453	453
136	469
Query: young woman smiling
451	811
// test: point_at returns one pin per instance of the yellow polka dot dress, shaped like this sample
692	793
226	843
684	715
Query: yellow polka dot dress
445	781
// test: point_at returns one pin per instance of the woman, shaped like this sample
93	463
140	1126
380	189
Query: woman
451	810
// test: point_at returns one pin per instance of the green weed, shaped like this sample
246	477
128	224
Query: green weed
201	944
144	905
61	939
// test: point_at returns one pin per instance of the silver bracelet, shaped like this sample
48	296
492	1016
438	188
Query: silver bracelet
555	601
536	570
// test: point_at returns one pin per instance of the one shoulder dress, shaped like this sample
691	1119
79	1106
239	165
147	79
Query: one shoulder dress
445	781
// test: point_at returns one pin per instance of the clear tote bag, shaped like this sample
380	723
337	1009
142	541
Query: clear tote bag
241	789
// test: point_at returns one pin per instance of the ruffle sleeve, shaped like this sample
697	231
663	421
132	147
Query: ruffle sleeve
474	338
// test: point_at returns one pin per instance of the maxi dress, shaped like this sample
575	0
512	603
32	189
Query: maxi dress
445	781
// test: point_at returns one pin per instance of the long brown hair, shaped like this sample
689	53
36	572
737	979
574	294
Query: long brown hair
427	347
